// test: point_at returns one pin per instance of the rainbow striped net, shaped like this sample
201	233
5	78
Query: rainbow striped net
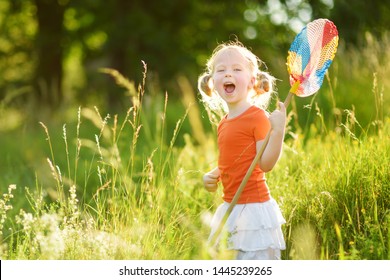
311	54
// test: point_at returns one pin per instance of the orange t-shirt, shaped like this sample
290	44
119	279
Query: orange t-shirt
237	139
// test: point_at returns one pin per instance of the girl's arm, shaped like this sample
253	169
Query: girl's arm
211	179
273	149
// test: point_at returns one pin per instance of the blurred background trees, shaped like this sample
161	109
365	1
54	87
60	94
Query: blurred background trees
52	53
51	50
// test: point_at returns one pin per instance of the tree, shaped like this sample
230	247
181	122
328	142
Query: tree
49	48
354	18
172	36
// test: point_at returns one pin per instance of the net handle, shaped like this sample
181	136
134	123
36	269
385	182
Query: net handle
259	154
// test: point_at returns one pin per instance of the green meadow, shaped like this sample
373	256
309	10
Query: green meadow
127	184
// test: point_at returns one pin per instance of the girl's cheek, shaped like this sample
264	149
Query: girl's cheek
216	82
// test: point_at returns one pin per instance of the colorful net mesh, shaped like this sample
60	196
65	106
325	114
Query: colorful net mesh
311	54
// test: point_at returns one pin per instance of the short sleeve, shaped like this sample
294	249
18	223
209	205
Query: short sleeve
262	126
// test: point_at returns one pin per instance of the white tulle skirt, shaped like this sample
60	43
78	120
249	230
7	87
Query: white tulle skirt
252	227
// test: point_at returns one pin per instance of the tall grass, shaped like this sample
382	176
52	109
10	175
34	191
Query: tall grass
120	186
137	199
148	203
336	190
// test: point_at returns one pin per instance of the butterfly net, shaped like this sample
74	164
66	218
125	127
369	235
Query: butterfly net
311	54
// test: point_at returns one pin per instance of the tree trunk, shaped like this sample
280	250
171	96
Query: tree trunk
48	81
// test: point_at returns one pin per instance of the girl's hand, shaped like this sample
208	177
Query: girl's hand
211	179
278	118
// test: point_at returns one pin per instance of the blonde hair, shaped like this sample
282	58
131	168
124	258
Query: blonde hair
263	87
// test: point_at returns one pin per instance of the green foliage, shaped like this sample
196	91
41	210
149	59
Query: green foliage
61	44
121	187
18	29
127	185
340	188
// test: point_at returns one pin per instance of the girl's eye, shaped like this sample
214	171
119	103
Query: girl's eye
237	69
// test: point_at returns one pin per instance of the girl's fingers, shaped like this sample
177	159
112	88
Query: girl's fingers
213	176
210	181
282	108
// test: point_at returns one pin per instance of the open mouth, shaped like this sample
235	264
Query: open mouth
229	87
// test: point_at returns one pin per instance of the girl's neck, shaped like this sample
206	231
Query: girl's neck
237	109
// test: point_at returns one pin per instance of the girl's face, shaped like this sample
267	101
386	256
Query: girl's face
232	77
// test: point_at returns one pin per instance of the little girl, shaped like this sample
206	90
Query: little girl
233	78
